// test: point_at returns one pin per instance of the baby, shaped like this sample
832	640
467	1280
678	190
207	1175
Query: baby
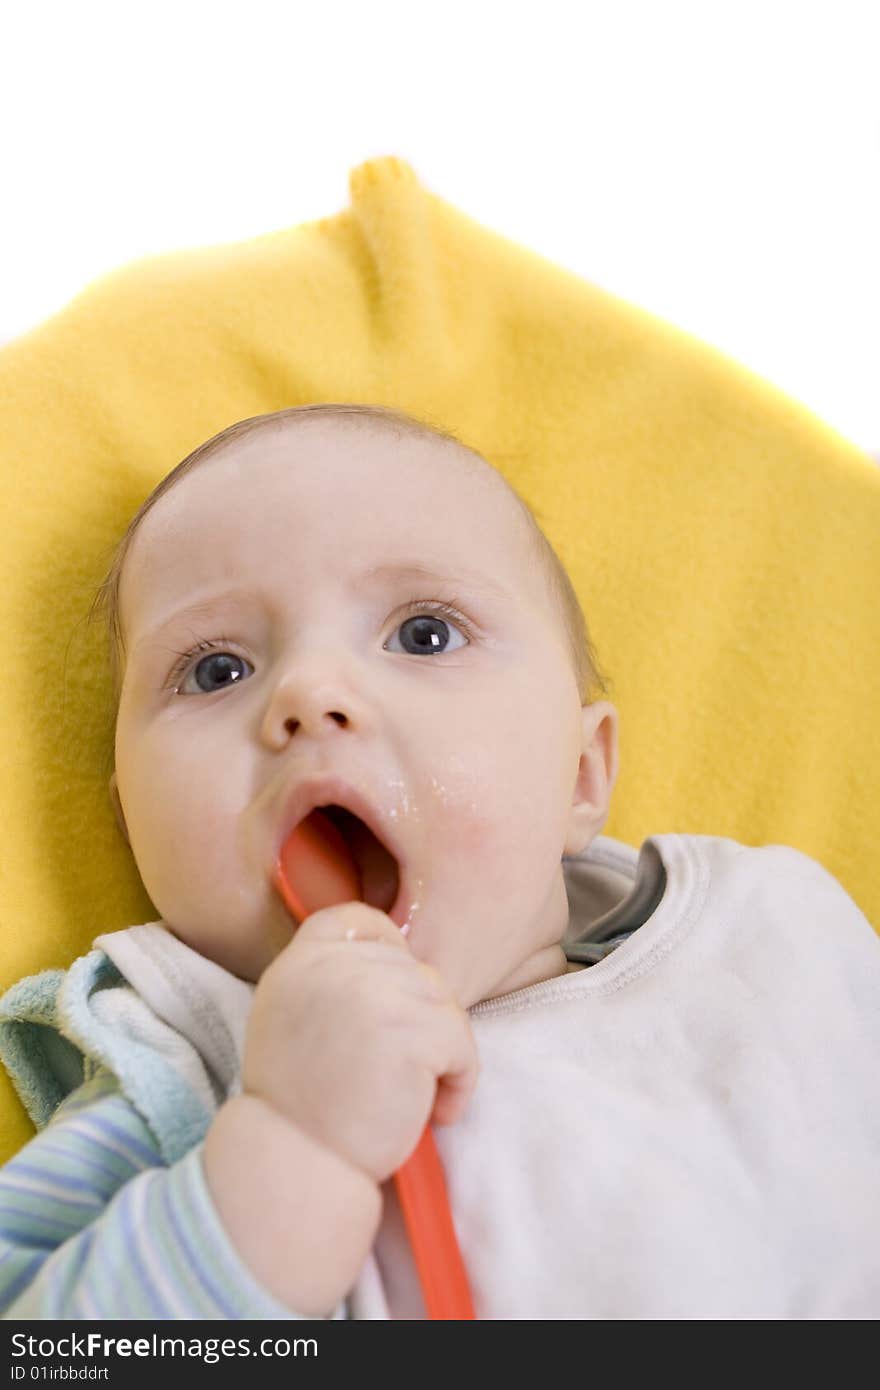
650	1070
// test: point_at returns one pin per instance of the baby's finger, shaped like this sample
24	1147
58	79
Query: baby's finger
353	921
458	1078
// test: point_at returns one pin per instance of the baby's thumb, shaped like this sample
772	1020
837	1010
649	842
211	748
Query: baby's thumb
453	1096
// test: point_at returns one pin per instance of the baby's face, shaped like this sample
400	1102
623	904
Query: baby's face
467	735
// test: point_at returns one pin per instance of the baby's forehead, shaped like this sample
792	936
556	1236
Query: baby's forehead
469	515
327	458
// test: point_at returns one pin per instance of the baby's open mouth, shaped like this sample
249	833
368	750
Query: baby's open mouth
380	875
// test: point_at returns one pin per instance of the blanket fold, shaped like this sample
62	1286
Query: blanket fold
175	1043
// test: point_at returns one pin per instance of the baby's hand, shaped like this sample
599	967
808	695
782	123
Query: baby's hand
348	1038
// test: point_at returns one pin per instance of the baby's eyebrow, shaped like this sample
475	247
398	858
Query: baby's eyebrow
417	569
407	569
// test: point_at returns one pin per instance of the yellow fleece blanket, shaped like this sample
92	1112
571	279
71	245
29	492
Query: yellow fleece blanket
724	542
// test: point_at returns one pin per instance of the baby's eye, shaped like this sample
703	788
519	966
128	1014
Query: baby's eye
425	628
421	632
217	666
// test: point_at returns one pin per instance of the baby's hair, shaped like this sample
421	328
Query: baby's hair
591	682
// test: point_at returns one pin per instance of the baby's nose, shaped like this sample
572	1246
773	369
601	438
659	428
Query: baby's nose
338	716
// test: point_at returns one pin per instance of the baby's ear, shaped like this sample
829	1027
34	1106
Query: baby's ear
597	773
117	807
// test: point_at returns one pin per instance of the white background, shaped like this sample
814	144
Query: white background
714	162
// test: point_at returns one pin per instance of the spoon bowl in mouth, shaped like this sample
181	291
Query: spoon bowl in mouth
376	865
332	857
315	868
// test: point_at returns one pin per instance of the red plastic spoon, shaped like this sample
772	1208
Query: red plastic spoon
315	869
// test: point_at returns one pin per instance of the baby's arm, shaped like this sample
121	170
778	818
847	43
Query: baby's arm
94	1225
301	1217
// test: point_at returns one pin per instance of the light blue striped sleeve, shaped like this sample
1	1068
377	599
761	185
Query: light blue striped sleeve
94	1225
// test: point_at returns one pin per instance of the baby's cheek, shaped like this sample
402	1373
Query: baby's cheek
181	849
517	839
485	842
